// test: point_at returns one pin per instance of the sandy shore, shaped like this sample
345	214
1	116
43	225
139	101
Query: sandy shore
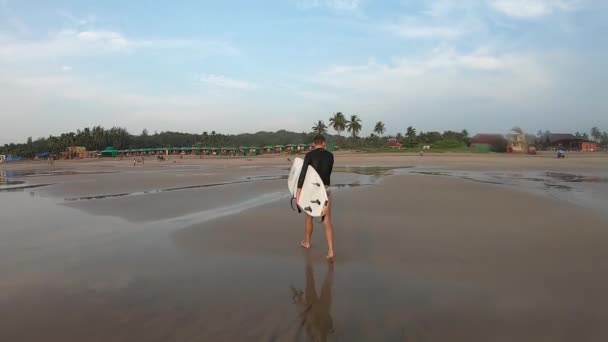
207	250
472	161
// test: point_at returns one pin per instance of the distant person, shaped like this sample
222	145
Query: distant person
323	162
134	162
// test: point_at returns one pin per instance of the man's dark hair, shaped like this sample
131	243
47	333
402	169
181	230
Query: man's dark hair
319	139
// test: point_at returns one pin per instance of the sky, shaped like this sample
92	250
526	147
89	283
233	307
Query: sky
246	66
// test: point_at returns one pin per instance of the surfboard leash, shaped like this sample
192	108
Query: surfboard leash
297	206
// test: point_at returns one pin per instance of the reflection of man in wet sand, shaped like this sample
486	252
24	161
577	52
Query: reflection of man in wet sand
314	311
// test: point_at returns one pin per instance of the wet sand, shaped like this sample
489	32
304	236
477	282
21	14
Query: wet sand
420	257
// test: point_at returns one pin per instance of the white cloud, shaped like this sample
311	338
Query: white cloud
225	82
444	89
108	39
478	60
529	9
39	105
338	5
84	43
74	20
413	31
66	68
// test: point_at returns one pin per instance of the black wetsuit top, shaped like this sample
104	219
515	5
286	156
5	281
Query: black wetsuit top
322	161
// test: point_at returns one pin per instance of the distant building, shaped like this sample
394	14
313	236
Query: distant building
570	142
394	143
74	152
517	142
489	143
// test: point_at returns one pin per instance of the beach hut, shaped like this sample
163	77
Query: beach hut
10	158
267	149
43	155
254	150
291	147
302	147
109	151
186	150
279	148
244	149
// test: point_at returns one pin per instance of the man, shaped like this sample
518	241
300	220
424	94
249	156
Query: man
323	162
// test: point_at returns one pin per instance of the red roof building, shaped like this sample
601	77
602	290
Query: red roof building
394	143
571	143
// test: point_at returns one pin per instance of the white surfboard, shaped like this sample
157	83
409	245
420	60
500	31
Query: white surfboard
313	198
294	175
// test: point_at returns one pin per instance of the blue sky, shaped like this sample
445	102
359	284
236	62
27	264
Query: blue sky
242	66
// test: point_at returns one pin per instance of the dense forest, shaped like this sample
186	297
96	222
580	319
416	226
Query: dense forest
98	138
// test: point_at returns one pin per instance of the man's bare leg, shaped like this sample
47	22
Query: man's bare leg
329	232
307	232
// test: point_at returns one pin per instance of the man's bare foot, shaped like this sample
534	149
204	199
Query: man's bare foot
305	244
330	257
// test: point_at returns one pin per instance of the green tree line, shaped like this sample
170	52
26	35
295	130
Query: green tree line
98	138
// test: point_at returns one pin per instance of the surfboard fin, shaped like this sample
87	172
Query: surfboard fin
309	209
317	202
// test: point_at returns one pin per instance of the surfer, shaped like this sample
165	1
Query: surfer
323	162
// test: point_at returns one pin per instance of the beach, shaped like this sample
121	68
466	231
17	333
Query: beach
444	247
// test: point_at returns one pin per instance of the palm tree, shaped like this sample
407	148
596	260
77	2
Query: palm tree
320	127
213	136
353	125
596	134
338	122
380	128
411	133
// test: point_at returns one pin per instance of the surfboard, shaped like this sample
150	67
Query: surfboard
294	175
313	198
